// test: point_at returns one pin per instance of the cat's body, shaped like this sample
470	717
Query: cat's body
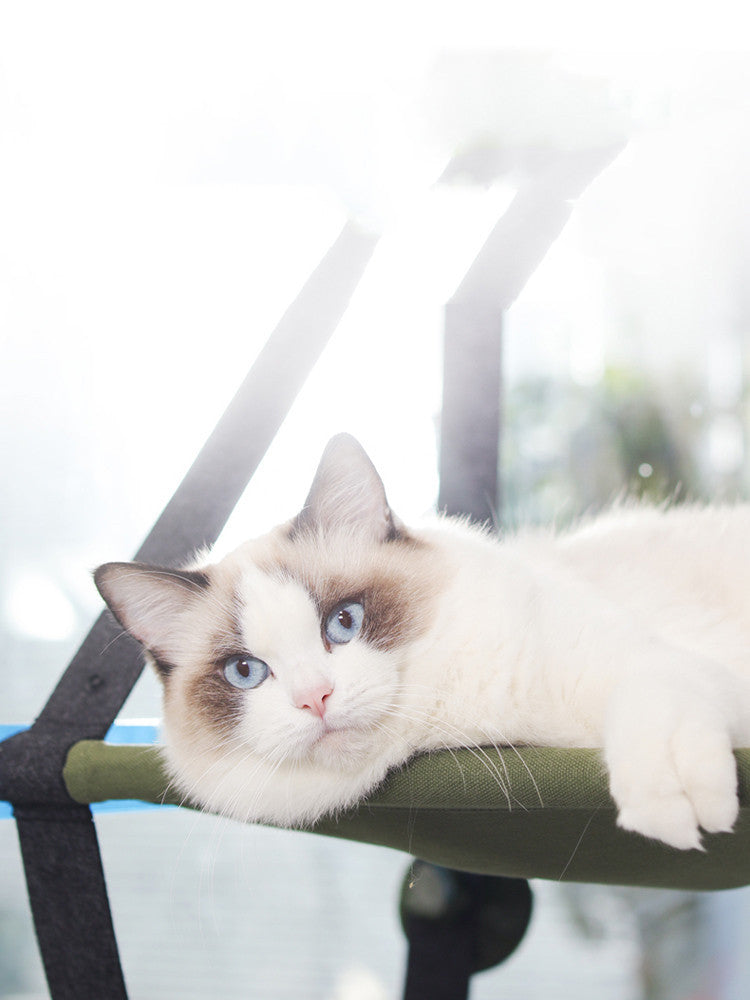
309	662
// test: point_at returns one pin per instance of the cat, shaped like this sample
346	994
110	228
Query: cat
302	667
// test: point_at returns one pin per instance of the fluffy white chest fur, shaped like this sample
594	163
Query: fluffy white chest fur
302	667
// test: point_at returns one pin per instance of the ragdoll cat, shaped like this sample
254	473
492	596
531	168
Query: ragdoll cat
303	666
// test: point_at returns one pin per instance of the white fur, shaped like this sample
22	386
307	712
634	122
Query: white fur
631	633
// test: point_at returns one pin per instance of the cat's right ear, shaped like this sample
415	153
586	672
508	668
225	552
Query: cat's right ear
150	603
348	494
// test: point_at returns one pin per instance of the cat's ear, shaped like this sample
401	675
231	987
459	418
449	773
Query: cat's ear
149	602
347	493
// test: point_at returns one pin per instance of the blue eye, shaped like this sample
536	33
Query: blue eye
245	671
344	622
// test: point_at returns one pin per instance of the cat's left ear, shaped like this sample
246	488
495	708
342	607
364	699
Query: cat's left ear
151	603
347	493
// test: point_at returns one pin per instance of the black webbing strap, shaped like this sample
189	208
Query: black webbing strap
69	903
58	841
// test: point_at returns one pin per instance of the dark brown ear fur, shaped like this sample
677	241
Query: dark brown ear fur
347	493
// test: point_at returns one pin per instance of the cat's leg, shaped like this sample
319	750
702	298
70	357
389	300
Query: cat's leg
668	749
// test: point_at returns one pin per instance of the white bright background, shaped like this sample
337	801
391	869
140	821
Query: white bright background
170	173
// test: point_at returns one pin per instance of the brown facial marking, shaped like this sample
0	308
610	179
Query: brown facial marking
215	702
394	591
211	700
390	618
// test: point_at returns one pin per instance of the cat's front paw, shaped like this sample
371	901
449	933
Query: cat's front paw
673	782
673	820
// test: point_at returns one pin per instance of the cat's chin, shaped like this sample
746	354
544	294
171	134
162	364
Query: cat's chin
339	748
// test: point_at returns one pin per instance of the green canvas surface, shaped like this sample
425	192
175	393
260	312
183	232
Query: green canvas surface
557	822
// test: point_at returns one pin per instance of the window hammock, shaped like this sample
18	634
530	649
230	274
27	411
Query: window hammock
447	808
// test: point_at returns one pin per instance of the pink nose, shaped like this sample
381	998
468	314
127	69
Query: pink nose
313	698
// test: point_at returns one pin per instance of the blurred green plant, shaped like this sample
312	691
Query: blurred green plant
569	449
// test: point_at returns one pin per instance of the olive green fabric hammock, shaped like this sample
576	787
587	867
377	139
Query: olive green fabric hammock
557	820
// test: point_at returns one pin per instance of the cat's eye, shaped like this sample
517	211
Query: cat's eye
245	671
344	622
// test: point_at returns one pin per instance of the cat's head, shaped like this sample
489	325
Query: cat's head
293	646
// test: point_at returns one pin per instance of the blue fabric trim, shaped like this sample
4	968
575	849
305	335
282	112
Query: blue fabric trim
120	733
